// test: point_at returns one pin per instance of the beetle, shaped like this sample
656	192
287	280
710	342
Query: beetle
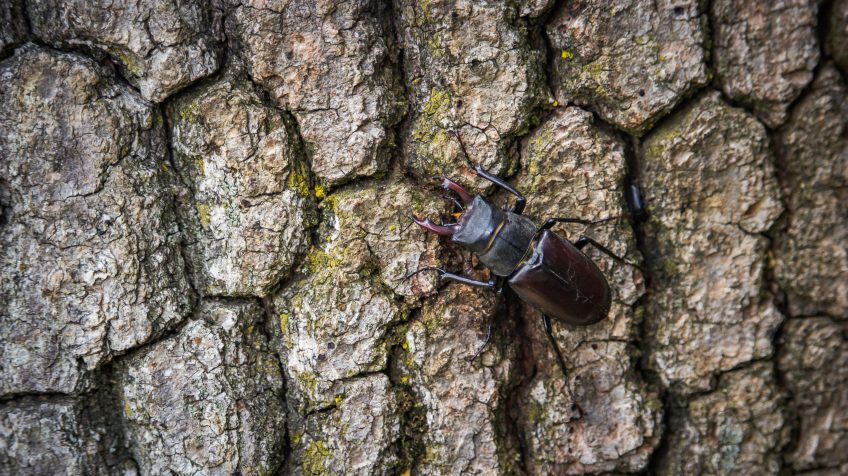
544	269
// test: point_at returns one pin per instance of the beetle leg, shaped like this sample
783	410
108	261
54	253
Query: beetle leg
482	347
448	276
520	201
585	240
633	197
480	171
546	322
550	222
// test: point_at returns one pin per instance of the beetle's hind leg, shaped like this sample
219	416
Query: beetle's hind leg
484	346
546	322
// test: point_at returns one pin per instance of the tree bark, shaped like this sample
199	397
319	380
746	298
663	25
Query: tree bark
205	236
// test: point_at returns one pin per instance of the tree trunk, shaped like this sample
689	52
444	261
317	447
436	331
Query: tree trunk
205	234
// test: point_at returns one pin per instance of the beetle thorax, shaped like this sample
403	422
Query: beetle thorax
499	238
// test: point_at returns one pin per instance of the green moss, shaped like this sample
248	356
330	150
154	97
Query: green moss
435	45
315	459
593	69
191	112
126	59
430	137
534	412
308	380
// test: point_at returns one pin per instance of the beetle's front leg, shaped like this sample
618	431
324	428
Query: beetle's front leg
448	276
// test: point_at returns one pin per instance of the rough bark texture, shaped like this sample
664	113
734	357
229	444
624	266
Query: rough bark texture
205	243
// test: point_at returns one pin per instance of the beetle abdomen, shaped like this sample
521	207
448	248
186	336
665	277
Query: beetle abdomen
561	281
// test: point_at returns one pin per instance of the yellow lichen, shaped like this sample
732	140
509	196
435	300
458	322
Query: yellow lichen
201	167
127	409
339	399
297	181
314	461
437	103
308	379
203	213
284	322
566	55
320	193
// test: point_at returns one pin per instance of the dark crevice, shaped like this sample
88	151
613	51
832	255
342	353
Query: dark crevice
511	414
271	321
549	52
826	10
410	446
24	397
17	11
642	365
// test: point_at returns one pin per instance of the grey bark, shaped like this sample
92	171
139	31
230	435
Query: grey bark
205	236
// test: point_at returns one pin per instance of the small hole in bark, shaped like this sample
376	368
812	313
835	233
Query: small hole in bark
322	357
594	346
642	92
331	345
679	11
459	104
574	407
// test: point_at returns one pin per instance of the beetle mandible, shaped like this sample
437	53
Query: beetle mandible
545	270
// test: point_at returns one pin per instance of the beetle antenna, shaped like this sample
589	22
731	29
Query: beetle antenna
454	201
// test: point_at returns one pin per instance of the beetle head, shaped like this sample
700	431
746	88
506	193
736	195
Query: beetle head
476	224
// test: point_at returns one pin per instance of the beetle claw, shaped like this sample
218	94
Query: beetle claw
441	230
449	184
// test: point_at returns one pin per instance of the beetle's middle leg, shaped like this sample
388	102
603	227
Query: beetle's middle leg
493	283
550	222
585	240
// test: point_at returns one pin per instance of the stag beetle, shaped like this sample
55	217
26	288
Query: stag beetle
544	269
